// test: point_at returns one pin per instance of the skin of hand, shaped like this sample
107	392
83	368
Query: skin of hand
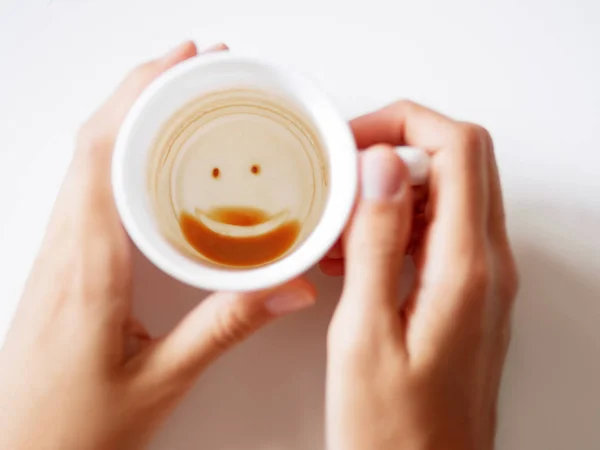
79	372
425	373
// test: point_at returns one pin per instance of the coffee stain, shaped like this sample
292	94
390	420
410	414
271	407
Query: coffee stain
169	206
239	251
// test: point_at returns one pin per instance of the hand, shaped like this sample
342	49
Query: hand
426	374
78	371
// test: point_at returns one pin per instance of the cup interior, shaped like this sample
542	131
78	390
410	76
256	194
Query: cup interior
219	92
238	178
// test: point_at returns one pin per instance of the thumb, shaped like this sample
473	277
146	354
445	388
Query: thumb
377	238
221	321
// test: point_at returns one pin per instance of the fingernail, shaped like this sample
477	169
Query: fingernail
179	51
382	176
285	302
221	46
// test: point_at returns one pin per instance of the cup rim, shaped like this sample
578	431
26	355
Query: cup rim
343	181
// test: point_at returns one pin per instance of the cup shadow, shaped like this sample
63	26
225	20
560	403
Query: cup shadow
267	393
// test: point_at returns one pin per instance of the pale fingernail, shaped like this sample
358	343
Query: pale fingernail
382	176
221	46
285	302
180	50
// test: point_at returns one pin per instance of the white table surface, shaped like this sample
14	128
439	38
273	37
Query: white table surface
529	70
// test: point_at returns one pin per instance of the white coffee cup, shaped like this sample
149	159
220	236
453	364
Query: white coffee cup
207	74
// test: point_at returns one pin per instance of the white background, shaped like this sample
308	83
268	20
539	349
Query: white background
528	70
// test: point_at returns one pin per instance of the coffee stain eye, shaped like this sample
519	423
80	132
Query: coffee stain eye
255	169
216	173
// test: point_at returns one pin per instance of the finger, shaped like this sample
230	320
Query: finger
112	114
505	262
335	252
402	123
138	80
96	138
221	46
375	244
452	256
143	75
458	180
221	321
332	267
183	51
140	77
104	125
497	220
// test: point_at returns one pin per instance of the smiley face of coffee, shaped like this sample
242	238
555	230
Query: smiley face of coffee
238	178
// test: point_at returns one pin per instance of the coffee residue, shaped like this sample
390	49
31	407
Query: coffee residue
239	251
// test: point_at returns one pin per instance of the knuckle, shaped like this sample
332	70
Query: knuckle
482	132
473	281
342	339
346	335
354	336
349	345
382	247
509	284
486	137
469	146
468	136
404	105
480	281
375	258
381	232
229	328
